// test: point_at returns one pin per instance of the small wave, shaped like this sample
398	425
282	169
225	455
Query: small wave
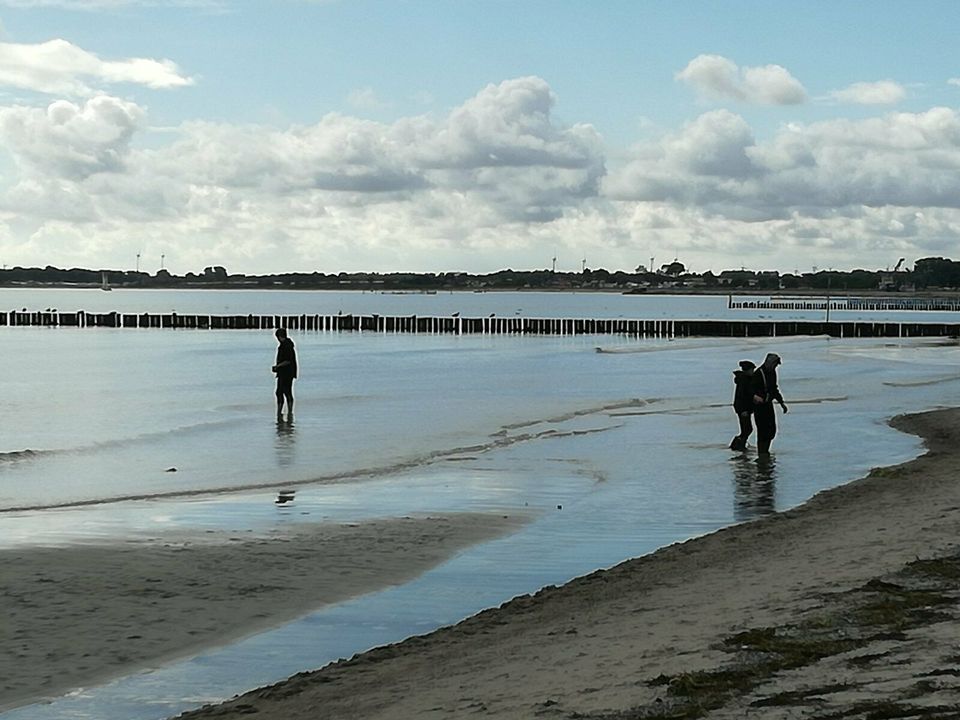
573	414
29	455
412	463
920	383
713	343
20	455
683	410
817	401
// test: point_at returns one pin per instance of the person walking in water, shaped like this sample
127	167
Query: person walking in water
286	370
743	403
765	392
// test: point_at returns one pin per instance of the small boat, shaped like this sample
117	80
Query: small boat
284	496
104	283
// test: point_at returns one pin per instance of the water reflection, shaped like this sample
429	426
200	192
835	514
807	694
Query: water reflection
285	443
754	486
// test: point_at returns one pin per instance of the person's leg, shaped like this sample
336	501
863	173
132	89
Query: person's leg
766	428
281	392
290	400
746	429
737	443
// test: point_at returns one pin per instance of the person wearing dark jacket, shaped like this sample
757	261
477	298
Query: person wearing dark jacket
743	403
286	370
765	393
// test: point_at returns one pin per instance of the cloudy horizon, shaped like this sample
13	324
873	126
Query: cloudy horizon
373	136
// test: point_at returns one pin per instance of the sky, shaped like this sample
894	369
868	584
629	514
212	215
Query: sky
478	135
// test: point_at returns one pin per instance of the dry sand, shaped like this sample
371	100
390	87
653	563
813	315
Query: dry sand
812	613
80	614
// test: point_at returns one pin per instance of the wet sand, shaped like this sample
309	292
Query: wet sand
844	607
80	614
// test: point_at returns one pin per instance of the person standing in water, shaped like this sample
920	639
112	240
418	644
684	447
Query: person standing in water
765	392
743	403
286	370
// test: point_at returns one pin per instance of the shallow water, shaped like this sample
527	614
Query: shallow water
614	454
468	304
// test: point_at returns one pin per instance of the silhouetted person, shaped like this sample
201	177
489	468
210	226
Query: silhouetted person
286	370
765	393
743	403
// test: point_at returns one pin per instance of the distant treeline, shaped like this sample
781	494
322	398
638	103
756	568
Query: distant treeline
927	273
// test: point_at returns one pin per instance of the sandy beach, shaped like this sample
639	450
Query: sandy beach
844	607
80	614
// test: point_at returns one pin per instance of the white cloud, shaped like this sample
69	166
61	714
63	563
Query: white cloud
69	141
58	67
496	182
902	160
494	167
954	81
884	92
717	77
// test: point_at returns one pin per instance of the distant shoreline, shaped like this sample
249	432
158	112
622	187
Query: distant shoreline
927	275
679	292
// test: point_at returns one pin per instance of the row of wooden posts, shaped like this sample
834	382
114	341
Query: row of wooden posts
483	325
870	304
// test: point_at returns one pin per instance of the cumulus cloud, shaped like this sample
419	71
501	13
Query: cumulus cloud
884	92
717	77
58	67
71	141
497	181
500	147
493	167
832	168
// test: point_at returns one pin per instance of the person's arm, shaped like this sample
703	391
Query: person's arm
776	395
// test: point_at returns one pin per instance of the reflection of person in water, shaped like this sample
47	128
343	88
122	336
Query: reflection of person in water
286	370
285	443
743	403
754	487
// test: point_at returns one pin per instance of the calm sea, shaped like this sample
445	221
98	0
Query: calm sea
169	430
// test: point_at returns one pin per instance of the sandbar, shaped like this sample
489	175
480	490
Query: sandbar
84	613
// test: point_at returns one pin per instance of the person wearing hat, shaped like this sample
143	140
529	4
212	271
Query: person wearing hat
765	392
743	403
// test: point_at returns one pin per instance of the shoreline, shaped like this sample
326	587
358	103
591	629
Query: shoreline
667	291
644	637
85	613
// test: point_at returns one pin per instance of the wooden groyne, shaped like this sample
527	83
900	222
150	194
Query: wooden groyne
870	304
475	326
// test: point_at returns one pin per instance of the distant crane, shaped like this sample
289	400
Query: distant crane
899	263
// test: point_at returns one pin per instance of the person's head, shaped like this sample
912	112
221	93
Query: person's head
772	360
747	366
281	333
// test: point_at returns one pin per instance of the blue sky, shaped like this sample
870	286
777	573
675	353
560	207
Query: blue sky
441	135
